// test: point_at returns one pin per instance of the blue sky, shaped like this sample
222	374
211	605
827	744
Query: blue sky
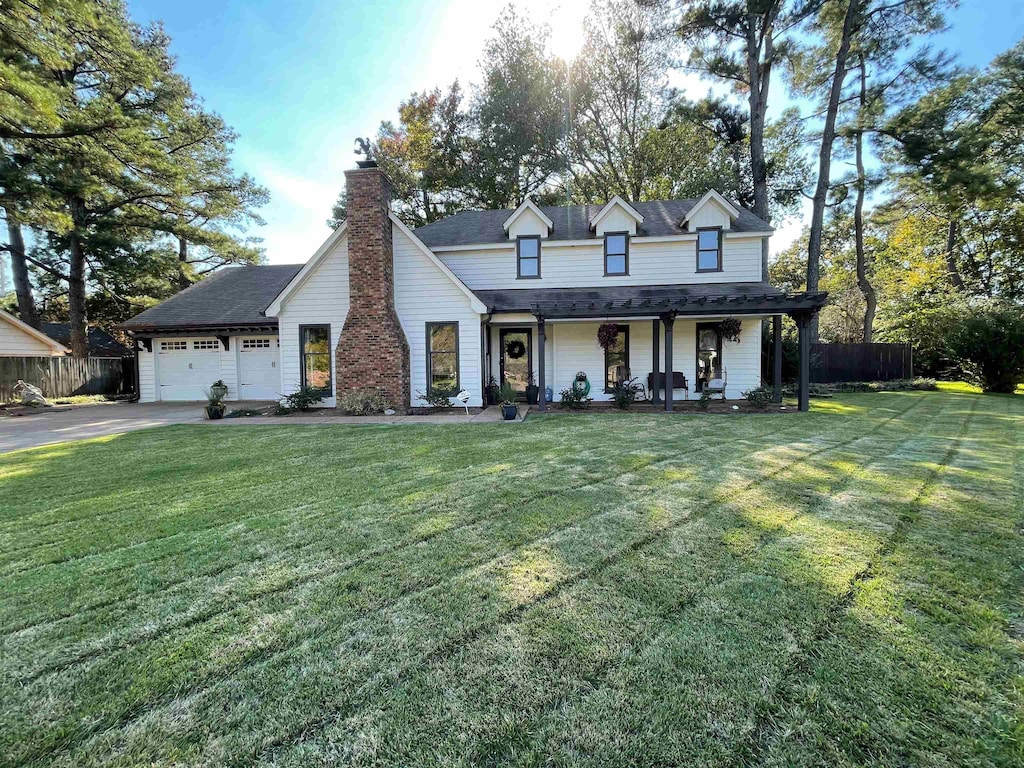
300	80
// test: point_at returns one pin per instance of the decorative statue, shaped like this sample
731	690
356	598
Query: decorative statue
29	394
363	148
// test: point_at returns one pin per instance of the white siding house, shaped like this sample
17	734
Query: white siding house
375	288
18	339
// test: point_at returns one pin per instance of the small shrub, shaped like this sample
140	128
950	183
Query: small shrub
493	391
925	385
436	398
506	394
303	399
704	400
363	402
573	399
625	392
759	397
989	348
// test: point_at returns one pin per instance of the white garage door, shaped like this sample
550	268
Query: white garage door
259	373
187	367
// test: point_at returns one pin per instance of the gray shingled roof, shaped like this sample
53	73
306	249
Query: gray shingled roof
100	343
661	217
235	296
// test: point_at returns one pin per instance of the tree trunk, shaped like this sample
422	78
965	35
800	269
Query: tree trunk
828	136
870	302
77	319
183	279
757	99
954	273
22	285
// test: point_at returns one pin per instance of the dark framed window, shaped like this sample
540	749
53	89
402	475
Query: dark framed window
528	256
709	354
616	360
315	357
443	357
709	249
616	253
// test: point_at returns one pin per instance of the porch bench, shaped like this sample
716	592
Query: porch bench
678	382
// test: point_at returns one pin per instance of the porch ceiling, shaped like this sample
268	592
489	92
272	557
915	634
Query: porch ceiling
627	301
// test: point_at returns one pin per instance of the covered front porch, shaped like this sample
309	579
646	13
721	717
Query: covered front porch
679	331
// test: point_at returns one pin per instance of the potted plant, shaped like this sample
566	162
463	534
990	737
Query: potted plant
493	391
507	398
730	329
219	388
532	390
606	334
215	403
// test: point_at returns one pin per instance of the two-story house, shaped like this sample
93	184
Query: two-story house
515	296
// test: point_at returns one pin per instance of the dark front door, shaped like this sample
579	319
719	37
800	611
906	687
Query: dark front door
516	357
709	354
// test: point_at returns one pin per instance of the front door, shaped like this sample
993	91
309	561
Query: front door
516	357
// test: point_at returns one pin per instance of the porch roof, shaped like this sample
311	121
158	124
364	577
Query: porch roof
644	300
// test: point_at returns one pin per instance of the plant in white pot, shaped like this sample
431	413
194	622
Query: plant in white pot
219	388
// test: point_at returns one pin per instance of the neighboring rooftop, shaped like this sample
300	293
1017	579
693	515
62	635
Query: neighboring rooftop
100	343
230	297
661	218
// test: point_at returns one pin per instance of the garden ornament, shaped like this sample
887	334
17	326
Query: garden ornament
30	394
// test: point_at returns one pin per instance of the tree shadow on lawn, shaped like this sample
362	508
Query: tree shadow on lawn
664	620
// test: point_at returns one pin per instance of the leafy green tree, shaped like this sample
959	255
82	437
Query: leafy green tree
989	346
105	145
618	98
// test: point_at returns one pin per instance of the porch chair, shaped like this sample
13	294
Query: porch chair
717	386
678	382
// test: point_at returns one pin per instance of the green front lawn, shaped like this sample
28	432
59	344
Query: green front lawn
836	588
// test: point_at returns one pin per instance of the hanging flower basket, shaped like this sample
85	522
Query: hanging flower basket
606	334
730	329
515	349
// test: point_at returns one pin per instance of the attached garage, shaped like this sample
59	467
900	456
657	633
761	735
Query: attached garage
213	330
259	370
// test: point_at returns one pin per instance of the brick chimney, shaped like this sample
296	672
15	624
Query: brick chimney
372	352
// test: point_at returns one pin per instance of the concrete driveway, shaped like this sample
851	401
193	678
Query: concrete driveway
54	425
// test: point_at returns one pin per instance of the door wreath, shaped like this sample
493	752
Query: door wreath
515	349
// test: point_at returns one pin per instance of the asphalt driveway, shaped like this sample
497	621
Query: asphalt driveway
55	425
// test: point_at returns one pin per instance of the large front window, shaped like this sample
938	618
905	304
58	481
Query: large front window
616	253
709	354
616	359
315	353
443	357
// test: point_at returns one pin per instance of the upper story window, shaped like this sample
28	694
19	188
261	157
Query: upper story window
528	256
709	250
616	253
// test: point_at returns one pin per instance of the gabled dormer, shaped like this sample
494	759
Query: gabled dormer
528	220
710	212
616	216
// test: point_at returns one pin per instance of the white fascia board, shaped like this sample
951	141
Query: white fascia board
709	196
731	234
616	201
300	277
527	205
475	304
24	327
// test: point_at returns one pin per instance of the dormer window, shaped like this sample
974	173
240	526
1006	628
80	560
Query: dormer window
528	256
616	253
709	249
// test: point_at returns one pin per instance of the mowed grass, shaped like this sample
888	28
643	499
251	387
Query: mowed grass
835	588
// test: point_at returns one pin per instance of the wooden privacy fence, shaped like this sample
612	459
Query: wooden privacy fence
860	362
65	376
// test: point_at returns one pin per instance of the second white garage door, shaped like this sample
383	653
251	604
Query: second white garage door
259	374
187	367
